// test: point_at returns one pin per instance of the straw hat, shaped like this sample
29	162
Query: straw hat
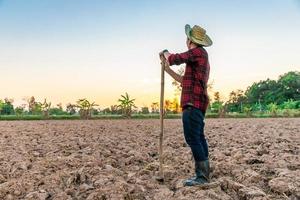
198	35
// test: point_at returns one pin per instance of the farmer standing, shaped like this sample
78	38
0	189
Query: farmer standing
194	97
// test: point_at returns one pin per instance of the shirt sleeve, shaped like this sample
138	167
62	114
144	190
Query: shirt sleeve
180	58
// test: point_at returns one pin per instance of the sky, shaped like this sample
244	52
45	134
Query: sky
64	50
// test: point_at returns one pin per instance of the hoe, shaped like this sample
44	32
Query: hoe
160	178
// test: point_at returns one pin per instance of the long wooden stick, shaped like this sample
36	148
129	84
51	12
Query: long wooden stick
162	90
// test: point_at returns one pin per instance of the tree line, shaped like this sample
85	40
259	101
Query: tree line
85	108
263	96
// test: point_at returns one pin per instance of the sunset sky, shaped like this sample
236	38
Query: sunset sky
64	50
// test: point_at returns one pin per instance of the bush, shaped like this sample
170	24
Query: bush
290	104
273	109
145	110
57	111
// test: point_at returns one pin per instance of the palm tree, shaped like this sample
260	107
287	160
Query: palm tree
45	107
126	105
155	107
168	106
176	106
85	108
34	107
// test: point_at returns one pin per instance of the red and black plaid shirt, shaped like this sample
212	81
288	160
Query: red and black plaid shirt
194	82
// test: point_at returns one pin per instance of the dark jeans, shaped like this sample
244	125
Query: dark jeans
193	127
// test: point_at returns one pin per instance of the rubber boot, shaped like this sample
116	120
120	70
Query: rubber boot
202	174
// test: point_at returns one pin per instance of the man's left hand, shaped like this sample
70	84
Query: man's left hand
164	55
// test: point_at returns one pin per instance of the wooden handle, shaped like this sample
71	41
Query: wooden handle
162	90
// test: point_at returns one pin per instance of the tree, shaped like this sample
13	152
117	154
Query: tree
115	109
59	106
71	109
45	107
217	97
57	110
217	105
154	107
1	105
247	109
145	110
106	111
168	106
19	110
85	108
95	111
269	91
6	107
126	104
291	104
34	107
289	85
172	106
175	105
273	108
259	92
236	101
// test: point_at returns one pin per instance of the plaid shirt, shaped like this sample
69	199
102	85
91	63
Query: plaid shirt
194	82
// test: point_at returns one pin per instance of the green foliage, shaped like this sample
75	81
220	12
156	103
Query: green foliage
85	108
271	96
290	104
37	117
19	110
154	107
34	108
6	107
95	111
126	104
257	107
289	84
71	109
106	111
236	101
264	92
247	109
266	98
217	97
145	110
45	107
57	111
115	109
270	91
216	107
273	109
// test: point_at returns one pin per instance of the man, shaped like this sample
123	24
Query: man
194	97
